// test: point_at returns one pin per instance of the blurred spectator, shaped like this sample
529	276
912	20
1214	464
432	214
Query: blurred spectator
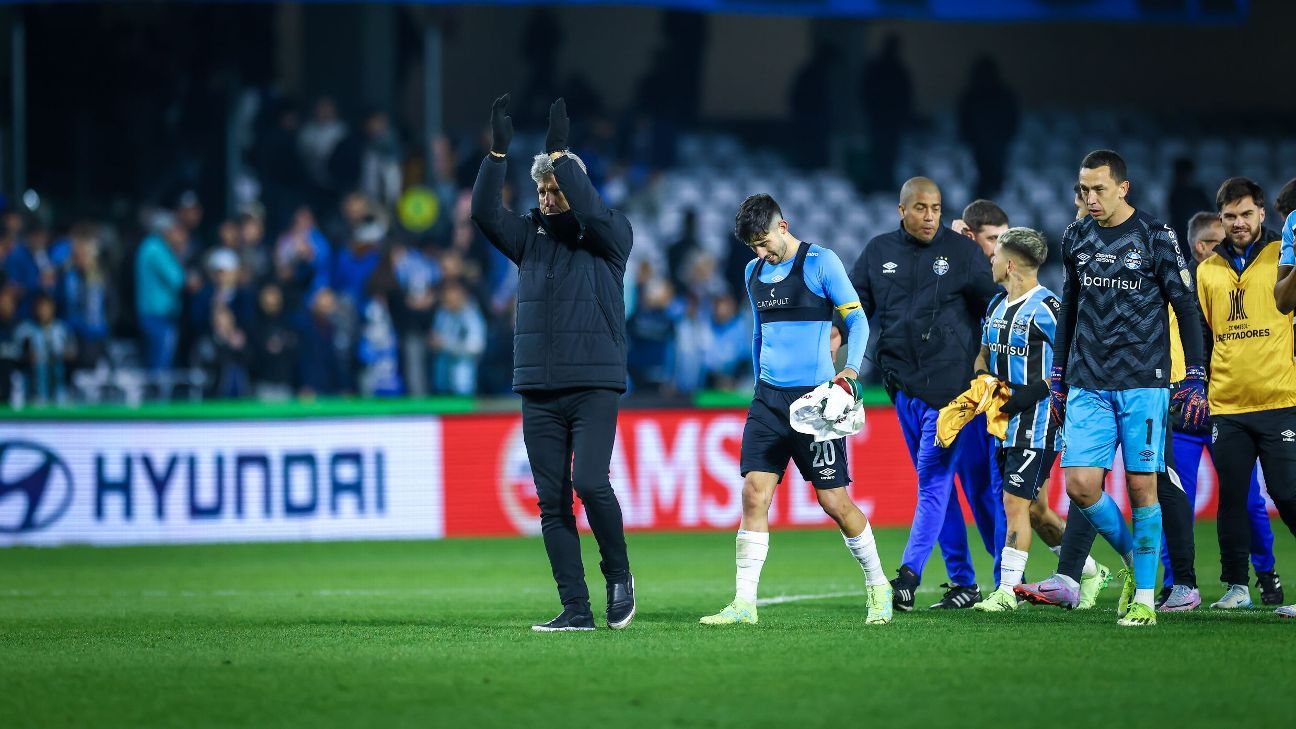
651	331
886	98
457	341
326	341
46	348
274	347
225	354
159	279
701	279
379	353
189	212
368	159
352	211
496	365
811	104
302	256
679	252
1186	198
84	297
279	166
29	268
318	138
252	247
223	289
417	273
693	342
989	115
356	263
729	355
10	351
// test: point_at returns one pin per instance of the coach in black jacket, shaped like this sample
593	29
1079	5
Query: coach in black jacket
925	290
569	354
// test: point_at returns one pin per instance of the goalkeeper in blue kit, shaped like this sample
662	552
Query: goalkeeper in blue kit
794	288
1111	373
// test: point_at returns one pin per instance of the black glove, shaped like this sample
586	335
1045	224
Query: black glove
559	127
501	126
1024	397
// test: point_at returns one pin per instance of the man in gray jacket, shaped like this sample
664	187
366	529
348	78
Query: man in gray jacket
569	354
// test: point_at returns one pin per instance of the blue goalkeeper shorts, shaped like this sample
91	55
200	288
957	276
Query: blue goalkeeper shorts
1099	420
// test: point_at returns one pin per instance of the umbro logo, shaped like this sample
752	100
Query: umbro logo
1018	480
889	267
827	472
541	231
1082	259
1288	436
1147	455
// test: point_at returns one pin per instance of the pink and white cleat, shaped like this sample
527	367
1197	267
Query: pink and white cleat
1056	590
1182	599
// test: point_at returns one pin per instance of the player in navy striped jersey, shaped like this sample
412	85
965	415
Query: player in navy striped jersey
1017	348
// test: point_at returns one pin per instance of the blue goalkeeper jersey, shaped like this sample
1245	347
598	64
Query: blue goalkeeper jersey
792	306
1019	335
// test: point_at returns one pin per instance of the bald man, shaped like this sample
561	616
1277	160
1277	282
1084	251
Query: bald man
925	291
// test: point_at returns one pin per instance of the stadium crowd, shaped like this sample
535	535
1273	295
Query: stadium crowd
317	287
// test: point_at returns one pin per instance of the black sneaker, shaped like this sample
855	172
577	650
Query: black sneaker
903	588
1163	596
1271	592
621	603
569	620
958	597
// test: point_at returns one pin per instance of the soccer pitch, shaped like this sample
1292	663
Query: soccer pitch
436	634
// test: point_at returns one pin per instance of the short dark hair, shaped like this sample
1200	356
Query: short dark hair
1106	158
1285	203
1236	188
1199	222
981	213
755	216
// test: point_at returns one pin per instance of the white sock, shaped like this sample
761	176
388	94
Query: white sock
751	550
1144	596
1065	579
1012	564
864	549
1090	566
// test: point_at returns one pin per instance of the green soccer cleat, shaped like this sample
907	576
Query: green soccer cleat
1001	600
738	611
878	599
1127	592
1091	586
1138	614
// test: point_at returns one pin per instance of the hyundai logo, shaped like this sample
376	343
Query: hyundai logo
35	487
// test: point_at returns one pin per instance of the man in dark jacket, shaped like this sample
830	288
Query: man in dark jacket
925	291
569	354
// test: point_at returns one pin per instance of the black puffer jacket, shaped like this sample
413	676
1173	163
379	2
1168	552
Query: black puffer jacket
926	301
571	293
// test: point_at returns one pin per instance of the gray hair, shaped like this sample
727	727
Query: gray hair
1028	244
542	165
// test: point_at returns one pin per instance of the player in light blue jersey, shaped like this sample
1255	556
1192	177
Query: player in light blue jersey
1017	348
1285	290
794	288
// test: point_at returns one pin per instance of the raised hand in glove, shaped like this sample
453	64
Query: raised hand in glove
1190	401
559	128
501	126
1057	395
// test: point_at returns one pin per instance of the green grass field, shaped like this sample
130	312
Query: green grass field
436	634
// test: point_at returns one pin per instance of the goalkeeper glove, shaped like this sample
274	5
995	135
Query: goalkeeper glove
1190	400
1057	395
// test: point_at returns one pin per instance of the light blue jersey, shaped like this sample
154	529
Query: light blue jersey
1287	254
792	305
